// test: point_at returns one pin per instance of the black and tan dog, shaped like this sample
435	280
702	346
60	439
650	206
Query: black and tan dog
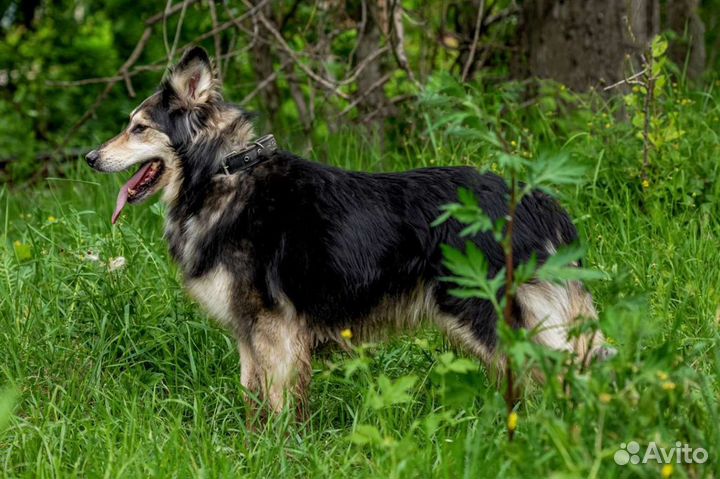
287	253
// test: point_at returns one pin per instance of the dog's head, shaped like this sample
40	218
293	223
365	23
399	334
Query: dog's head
185	113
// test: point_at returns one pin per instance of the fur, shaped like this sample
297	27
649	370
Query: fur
288	254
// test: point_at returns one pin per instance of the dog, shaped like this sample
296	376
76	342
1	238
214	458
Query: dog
287	253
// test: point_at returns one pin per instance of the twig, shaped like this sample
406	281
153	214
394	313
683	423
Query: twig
178	29
628	80
128	83
216	39
164	28
360	30
397	40
476	37
508	12
92	81
381	81
266	81
293	55
167	13
361	66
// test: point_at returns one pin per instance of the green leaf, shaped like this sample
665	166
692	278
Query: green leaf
511	162
659	46
392	392
23	252
554	169
365	434
562	266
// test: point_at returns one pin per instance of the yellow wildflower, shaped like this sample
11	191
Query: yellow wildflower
512	421
52	219
605	398
662	376
646	184
666	470
450	41
346	333
669	386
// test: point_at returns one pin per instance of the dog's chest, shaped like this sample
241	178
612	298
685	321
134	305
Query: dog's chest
214	291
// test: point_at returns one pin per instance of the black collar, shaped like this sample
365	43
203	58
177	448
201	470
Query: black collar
259	151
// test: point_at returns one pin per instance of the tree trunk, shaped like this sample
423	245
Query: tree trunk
584	43
683	18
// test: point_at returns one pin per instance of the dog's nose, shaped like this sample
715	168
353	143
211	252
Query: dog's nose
92	157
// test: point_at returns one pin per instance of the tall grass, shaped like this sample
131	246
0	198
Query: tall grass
117	374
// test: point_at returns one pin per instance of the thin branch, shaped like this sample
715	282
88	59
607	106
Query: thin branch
293	55
628	80
178	30
381	81
230	23
167	13
397	40
361	66
93	81
360	30
164	28
476	37
216	38
500	16
265	83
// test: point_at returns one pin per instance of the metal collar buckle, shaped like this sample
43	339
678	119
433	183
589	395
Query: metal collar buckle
249	156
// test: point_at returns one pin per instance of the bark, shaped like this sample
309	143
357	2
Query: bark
584	43
683	19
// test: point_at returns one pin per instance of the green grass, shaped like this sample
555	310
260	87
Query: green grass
118	374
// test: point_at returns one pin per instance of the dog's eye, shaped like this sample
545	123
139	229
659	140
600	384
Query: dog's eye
138	129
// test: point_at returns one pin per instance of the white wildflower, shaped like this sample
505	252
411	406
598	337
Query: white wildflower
116	263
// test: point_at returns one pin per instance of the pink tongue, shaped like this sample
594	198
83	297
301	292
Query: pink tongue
123	195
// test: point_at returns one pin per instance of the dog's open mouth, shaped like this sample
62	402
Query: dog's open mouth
139	187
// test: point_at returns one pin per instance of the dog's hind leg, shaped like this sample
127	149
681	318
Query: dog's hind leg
282	352
552	310
250	380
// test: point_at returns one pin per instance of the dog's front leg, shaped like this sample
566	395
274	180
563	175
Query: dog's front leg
282	352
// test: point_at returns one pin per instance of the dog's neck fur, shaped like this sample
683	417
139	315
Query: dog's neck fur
196	195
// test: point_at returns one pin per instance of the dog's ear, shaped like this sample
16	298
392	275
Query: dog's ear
192	79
